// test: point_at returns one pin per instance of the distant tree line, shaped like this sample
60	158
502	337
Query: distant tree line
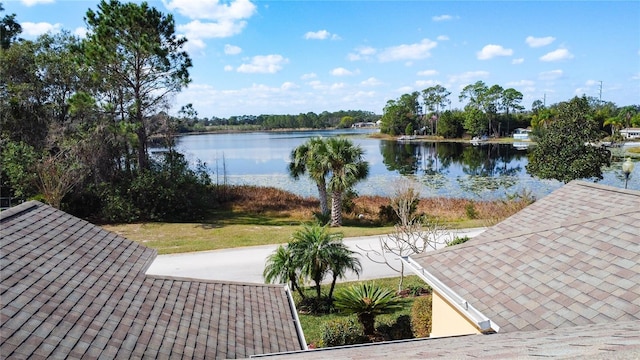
188	121
490	111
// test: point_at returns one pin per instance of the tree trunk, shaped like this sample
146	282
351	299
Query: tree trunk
322	194
368	323
333	285
336	209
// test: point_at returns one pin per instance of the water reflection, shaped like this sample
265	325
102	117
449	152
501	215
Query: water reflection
448	169
486	167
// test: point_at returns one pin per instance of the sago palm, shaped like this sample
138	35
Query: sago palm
367	300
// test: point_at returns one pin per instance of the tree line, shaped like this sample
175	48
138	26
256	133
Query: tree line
490	111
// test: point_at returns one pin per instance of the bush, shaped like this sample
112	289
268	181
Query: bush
470	209
313	305
342	331
459	240
421	316
400	329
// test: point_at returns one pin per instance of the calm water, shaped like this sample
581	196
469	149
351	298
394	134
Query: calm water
488	171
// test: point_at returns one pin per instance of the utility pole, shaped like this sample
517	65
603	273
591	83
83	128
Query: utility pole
600	91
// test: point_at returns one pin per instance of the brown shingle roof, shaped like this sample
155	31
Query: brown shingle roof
618	340
572	258
72	289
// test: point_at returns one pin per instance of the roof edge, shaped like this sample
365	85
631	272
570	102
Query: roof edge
296	318
471	313
19	209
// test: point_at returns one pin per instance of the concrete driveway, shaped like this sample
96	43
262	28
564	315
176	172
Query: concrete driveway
246	264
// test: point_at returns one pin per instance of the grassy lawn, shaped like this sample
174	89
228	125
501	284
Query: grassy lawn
312	324
260	216
170	238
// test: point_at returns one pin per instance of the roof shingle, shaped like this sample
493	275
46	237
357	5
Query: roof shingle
70	288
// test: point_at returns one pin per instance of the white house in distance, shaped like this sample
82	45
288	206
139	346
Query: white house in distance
630	133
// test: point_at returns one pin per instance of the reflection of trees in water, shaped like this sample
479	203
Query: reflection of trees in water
489	167
398	156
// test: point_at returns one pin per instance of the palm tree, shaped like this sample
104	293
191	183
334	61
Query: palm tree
342	261
310	158
318	252
347	168
282	267
367	300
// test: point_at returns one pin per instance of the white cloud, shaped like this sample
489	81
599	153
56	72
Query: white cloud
539	42
442	18
206	30
428	73
80	32
517	61
521	83
221	20
442	38
371	82
232	49
362	53
426	83
320	35
263	64
337	86
288	86
557	55
30	3
37	29
212	10
469	76
408	51
635	76
550	75
490	51
340	71
228	68
308	76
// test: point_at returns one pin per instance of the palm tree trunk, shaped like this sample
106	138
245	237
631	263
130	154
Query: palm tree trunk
333	285
336	208
322	194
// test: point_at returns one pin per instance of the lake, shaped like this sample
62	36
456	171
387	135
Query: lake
449	169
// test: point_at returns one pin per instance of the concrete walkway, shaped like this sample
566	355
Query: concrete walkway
246	264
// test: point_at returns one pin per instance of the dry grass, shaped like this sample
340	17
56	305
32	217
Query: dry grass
254	215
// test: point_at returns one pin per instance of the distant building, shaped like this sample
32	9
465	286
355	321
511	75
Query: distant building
521	134
630	133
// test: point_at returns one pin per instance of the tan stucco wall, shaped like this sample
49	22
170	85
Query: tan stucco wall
447	321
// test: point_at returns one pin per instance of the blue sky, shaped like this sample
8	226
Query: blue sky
291	57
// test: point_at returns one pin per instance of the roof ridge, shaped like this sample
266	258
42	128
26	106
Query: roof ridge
209	281
19	209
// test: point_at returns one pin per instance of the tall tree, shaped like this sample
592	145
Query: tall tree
564	151
348	167
435	98
135	50
9	29
397	114
311	158
511	99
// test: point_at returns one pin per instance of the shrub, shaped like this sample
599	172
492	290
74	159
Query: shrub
470	209
400	329
459	240
421	316
342	331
